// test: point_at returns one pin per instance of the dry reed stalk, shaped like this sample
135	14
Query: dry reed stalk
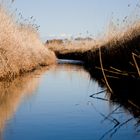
116	69
135	62
133	104
114	72
105	78
114	77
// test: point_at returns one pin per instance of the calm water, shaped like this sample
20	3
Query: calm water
55	104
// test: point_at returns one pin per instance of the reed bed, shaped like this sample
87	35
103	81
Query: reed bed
116	57
72	46
120	52
20	47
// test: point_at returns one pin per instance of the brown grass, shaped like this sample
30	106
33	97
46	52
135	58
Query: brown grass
72	46
20	47
117	51
113	58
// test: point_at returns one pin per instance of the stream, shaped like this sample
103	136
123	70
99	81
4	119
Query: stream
58	104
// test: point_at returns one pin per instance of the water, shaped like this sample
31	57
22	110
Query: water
55	104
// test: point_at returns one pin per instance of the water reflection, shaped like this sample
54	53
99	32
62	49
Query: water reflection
58	110
12	94
124	100
67	103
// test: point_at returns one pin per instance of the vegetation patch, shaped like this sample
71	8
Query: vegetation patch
21	49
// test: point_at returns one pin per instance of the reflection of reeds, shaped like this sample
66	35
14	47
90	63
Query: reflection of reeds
12	93
70	70
125	96
20	47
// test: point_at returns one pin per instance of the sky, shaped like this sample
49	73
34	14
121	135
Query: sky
64	18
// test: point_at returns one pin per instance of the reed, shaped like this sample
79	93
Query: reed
121	51
21	49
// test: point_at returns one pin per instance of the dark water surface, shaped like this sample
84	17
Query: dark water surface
56	105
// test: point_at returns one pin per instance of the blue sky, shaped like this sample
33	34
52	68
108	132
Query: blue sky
73	17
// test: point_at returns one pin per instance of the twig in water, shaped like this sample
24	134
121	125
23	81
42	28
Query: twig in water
99	98
98	93
112	112
119	126
115	128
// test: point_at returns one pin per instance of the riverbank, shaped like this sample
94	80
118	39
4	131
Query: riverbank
21	49
118	56
118	48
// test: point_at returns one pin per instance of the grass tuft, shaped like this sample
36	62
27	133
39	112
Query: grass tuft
20	47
